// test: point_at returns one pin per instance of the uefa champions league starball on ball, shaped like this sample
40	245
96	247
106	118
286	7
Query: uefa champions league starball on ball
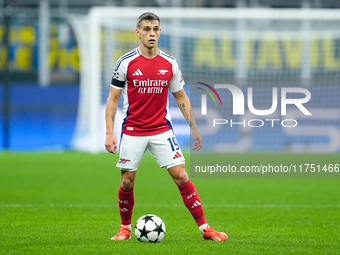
149	228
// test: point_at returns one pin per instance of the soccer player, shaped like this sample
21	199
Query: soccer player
145	75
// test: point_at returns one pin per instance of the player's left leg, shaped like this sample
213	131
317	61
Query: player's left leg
188	192
166	150
192	201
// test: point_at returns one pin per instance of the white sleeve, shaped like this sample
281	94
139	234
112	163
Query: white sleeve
177	81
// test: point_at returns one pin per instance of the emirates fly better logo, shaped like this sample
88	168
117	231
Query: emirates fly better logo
238	105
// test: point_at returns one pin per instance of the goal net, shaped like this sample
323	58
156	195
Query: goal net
258	48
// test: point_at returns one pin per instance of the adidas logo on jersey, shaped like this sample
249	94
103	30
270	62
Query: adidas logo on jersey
138	72
177	155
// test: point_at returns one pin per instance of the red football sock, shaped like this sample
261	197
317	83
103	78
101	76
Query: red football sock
126	201
192	202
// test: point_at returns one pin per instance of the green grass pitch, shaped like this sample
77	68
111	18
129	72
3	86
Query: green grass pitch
66	203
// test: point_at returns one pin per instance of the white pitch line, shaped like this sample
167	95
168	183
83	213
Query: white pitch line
249	206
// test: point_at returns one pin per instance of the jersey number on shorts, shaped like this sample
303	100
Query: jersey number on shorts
173	143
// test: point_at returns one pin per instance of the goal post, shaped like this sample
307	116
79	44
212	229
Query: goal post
209	45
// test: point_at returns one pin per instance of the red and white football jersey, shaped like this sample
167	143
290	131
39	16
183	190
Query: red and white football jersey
145	84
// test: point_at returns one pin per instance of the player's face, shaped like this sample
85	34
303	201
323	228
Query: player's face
149	33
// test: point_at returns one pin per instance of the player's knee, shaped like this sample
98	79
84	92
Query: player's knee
127	184
180	176
182	179
127	180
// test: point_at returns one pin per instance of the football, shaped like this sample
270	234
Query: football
149	228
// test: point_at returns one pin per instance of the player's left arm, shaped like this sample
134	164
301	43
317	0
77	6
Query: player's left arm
185	107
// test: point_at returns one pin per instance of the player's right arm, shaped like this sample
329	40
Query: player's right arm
110	114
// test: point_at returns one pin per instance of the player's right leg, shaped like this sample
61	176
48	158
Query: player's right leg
126	202
130	154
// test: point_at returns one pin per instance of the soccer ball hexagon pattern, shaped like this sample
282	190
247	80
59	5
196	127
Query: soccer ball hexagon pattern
149	228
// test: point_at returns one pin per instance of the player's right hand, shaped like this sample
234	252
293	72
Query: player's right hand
111	143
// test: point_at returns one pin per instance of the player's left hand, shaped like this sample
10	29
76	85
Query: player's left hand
198	140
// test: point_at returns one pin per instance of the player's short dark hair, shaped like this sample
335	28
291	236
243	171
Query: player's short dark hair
146	16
